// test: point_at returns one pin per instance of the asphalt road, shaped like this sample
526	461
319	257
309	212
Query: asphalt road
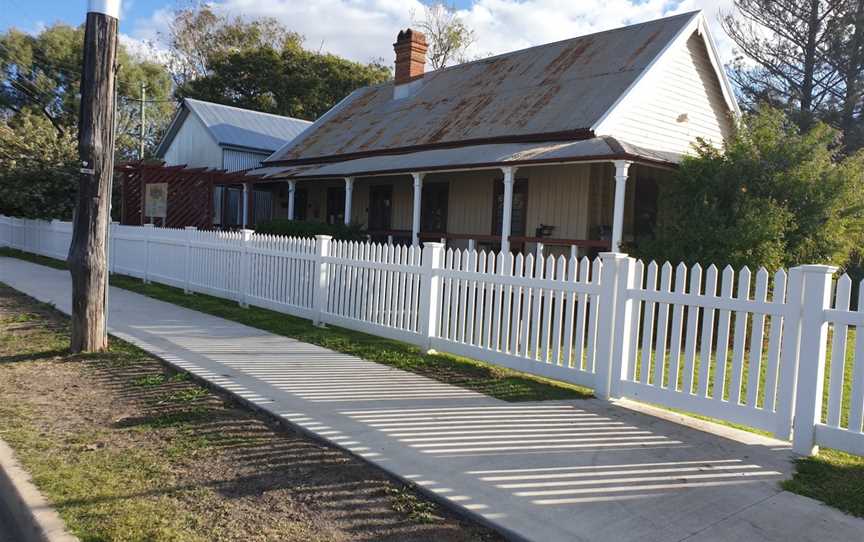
6	532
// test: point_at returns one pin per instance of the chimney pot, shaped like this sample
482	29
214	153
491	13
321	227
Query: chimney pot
410	50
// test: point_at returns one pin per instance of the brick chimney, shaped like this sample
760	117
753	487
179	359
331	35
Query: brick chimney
410	50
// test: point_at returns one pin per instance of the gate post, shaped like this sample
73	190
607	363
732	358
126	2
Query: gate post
430	287
322	278
811	361
187	275
608	337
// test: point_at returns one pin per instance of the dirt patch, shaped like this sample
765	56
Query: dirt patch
128	450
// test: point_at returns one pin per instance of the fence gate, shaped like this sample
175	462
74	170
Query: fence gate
702	342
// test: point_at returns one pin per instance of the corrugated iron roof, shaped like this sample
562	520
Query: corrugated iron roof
236	127
475	156
557	88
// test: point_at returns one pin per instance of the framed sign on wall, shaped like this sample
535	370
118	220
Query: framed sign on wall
156	200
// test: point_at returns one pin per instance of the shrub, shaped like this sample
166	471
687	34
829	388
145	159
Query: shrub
772	197
294	228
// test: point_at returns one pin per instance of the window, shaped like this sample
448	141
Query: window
433	210
380	208
217	204
301	199
520	207
336	205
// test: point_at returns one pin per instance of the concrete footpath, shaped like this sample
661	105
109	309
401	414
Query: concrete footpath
567	470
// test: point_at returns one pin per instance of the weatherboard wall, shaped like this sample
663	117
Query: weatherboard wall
193	146
684	102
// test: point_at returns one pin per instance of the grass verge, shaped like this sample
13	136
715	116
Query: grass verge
833	477
128	450
495	381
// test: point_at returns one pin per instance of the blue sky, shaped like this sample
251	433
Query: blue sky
31	14
364	30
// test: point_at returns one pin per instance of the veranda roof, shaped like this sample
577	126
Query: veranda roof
475	157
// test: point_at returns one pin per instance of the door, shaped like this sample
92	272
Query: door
380	208
336	205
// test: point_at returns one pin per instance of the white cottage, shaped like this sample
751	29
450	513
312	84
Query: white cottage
216	136
562	144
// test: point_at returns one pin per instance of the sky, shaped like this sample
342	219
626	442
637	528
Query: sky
364	30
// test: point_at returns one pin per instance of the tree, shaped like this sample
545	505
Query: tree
775	196
852	66
42	74
291	81
199	34
448	36
38	169
805	57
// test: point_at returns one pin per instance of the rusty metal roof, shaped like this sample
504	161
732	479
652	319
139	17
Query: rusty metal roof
475	157
560	88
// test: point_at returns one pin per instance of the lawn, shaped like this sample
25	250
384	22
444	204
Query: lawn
128	450
494	381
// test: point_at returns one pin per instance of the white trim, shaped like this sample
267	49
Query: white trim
643	84
110	8
714	57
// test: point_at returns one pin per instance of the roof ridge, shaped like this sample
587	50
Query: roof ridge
243	109
687	15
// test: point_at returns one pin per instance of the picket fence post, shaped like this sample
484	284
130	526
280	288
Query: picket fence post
37	249
4	228
245	266
787	385
430	287
187	274
622	336
54	227
610	273
811	362
148	231
322	284
112	246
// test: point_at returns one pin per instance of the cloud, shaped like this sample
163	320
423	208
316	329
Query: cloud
364	30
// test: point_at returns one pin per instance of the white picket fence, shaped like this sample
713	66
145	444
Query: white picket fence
758	350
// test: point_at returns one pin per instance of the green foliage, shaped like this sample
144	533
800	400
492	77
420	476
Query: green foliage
258	64
291	81
38	177
294	228
198	34
774	197
41	74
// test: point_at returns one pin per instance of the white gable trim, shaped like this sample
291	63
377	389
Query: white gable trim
644	84
725	84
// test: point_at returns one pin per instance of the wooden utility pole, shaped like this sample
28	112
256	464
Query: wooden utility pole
87	253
